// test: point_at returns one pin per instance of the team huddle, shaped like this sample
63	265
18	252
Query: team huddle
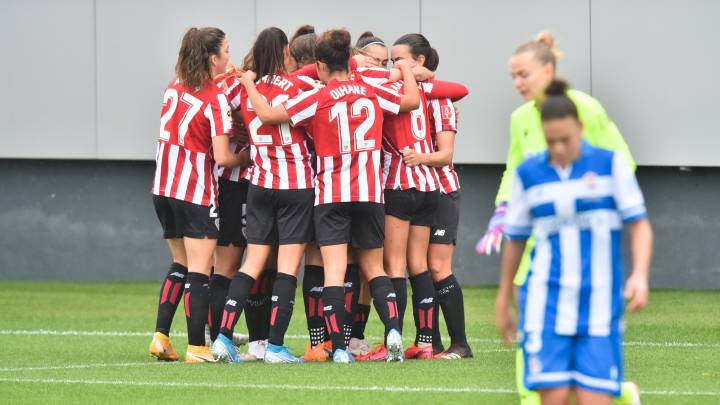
314	151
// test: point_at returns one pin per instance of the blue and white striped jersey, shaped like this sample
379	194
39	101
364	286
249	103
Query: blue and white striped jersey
576	277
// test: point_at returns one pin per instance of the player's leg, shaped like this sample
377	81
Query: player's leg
295	230
358	346
352	292
312	287
227	262
421	282
367	240
171	285
399	206
261	235
197	294
555	396
447	289
333	296
258	307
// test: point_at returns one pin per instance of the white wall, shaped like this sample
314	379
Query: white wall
84	78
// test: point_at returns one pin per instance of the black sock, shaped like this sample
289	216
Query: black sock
400	287
450	298
360	318
197	305
334	312
437	337
312	287
283	301
236	297
384	298
218	294
352	292
258	306
423	299
170	297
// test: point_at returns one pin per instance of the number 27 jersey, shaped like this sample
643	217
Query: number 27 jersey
345	119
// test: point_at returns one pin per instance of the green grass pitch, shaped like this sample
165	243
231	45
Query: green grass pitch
87	342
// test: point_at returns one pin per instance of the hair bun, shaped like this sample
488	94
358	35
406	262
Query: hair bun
305	29
340	38
557	87
548	39
366	34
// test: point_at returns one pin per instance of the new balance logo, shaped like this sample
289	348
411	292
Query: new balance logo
178	275
327	308
348	284
187	285
232	303
439	232
316	289
274	298
391	295
427	300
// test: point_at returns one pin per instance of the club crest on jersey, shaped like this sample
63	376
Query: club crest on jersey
591	179
445	112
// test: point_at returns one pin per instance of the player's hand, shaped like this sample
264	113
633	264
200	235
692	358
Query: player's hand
411	158
491	242
422	73
505	322
400	63
637	292
361	60
248	78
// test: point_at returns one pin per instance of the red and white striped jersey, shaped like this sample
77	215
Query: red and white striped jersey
443	118
232	88
408	130
184	165
280	153
345	119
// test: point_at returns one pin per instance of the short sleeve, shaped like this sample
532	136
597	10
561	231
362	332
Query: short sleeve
626	191
302	107
442	115
218	114
518	221
234	94
388	99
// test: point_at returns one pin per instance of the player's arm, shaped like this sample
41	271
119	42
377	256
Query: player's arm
518	230
410	99
222	153
443	89
266	113
631	204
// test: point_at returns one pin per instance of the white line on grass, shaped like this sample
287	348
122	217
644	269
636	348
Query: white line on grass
448	390
80	366
49	332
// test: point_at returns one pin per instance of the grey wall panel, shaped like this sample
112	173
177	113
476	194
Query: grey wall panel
94	220
387	19
47	108
655	68
475	40
137	46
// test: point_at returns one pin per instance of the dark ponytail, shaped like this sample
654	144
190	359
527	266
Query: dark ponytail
193	65
333	49
557	104
419	45
268	56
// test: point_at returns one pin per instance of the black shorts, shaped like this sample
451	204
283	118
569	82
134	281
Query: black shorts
447	218
232	198
412	205
361	224
183	219
279	217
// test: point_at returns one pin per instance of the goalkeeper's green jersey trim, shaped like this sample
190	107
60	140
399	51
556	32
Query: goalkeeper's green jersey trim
527	137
